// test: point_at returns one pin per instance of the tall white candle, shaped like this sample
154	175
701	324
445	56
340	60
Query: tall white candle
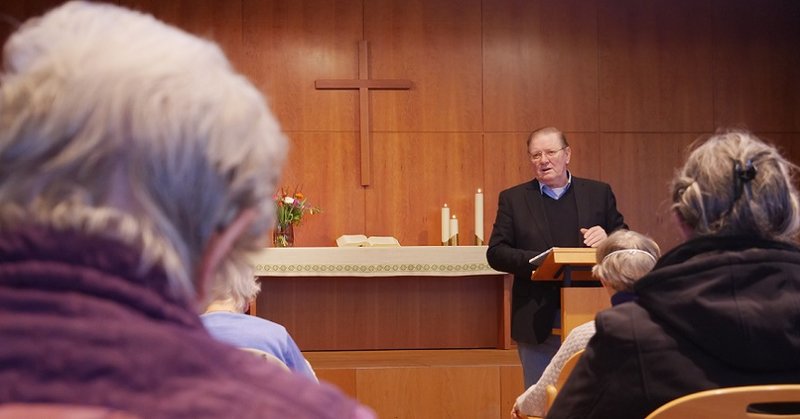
479	217
445	224
454	229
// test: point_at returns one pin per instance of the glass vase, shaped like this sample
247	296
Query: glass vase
283	236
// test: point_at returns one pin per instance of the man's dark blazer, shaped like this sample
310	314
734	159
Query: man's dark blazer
521	231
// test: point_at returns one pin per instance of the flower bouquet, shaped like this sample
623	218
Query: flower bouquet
291	208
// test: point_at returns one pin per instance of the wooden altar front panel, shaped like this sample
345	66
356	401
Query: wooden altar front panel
401	312
410	297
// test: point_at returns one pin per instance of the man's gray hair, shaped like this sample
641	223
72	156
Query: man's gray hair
735	184
117	125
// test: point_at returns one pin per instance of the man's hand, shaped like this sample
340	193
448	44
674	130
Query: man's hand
592	236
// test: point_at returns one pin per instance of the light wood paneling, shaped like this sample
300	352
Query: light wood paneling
540	65
385	312
419	358
405	393
511	386
436	45
640	168
324	167
389	381
289	44
757	64
580	305
655	71
343	378
414	175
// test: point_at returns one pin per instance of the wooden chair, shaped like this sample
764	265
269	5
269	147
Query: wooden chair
552	390
729	403
60	411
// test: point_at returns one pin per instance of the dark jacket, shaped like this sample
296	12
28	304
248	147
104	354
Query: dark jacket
78	325
715	312
521	231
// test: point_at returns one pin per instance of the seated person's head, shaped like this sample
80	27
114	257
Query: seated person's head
623	258
235	291
735	184
117	125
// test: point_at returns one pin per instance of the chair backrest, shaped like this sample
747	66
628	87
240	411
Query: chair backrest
566	370
730	403
60	411
267	357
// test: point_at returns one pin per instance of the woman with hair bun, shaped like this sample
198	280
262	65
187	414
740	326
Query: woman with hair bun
721	309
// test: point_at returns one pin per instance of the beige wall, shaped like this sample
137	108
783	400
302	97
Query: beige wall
631	82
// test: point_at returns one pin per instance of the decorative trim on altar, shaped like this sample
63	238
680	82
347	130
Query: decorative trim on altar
370	261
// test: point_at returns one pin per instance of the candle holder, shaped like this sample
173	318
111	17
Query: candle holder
478	241
453	240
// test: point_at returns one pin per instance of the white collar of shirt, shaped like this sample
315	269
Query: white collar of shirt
556	193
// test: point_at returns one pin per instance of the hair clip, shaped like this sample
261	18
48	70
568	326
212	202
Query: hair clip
742	176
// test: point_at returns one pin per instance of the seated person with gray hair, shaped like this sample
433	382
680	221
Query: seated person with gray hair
226	320
622	258
721	309
136	168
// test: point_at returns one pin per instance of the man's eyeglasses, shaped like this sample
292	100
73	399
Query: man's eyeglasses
537	157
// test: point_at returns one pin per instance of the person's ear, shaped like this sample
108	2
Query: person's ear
218	246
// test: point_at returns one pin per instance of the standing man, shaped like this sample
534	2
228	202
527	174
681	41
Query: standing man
554	209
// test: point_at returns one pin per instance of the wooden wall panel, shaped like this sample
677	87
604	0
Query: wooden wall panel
388	381
344	379
757	64
435	44
540	65
511	386
289	44
655	71
402	393
640	168
321	164
506	164
414	175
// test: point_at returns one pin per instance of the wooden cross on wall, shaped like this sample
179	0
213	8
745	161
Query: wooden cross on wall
364	85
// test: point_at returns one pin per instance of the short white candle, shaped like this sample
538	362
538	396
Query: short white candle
453	226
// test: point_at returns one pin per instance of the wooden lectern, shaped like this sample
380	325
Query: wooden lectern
578	304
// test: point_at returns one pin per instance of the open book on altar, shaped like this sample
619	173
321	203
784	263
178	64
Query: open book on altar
360	240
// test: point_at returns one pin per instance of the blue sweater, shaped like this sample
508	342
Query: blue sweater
245	331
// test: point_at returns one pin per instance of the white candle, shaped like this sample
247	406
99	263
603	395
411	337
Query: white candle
479	217
445	224
454	229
